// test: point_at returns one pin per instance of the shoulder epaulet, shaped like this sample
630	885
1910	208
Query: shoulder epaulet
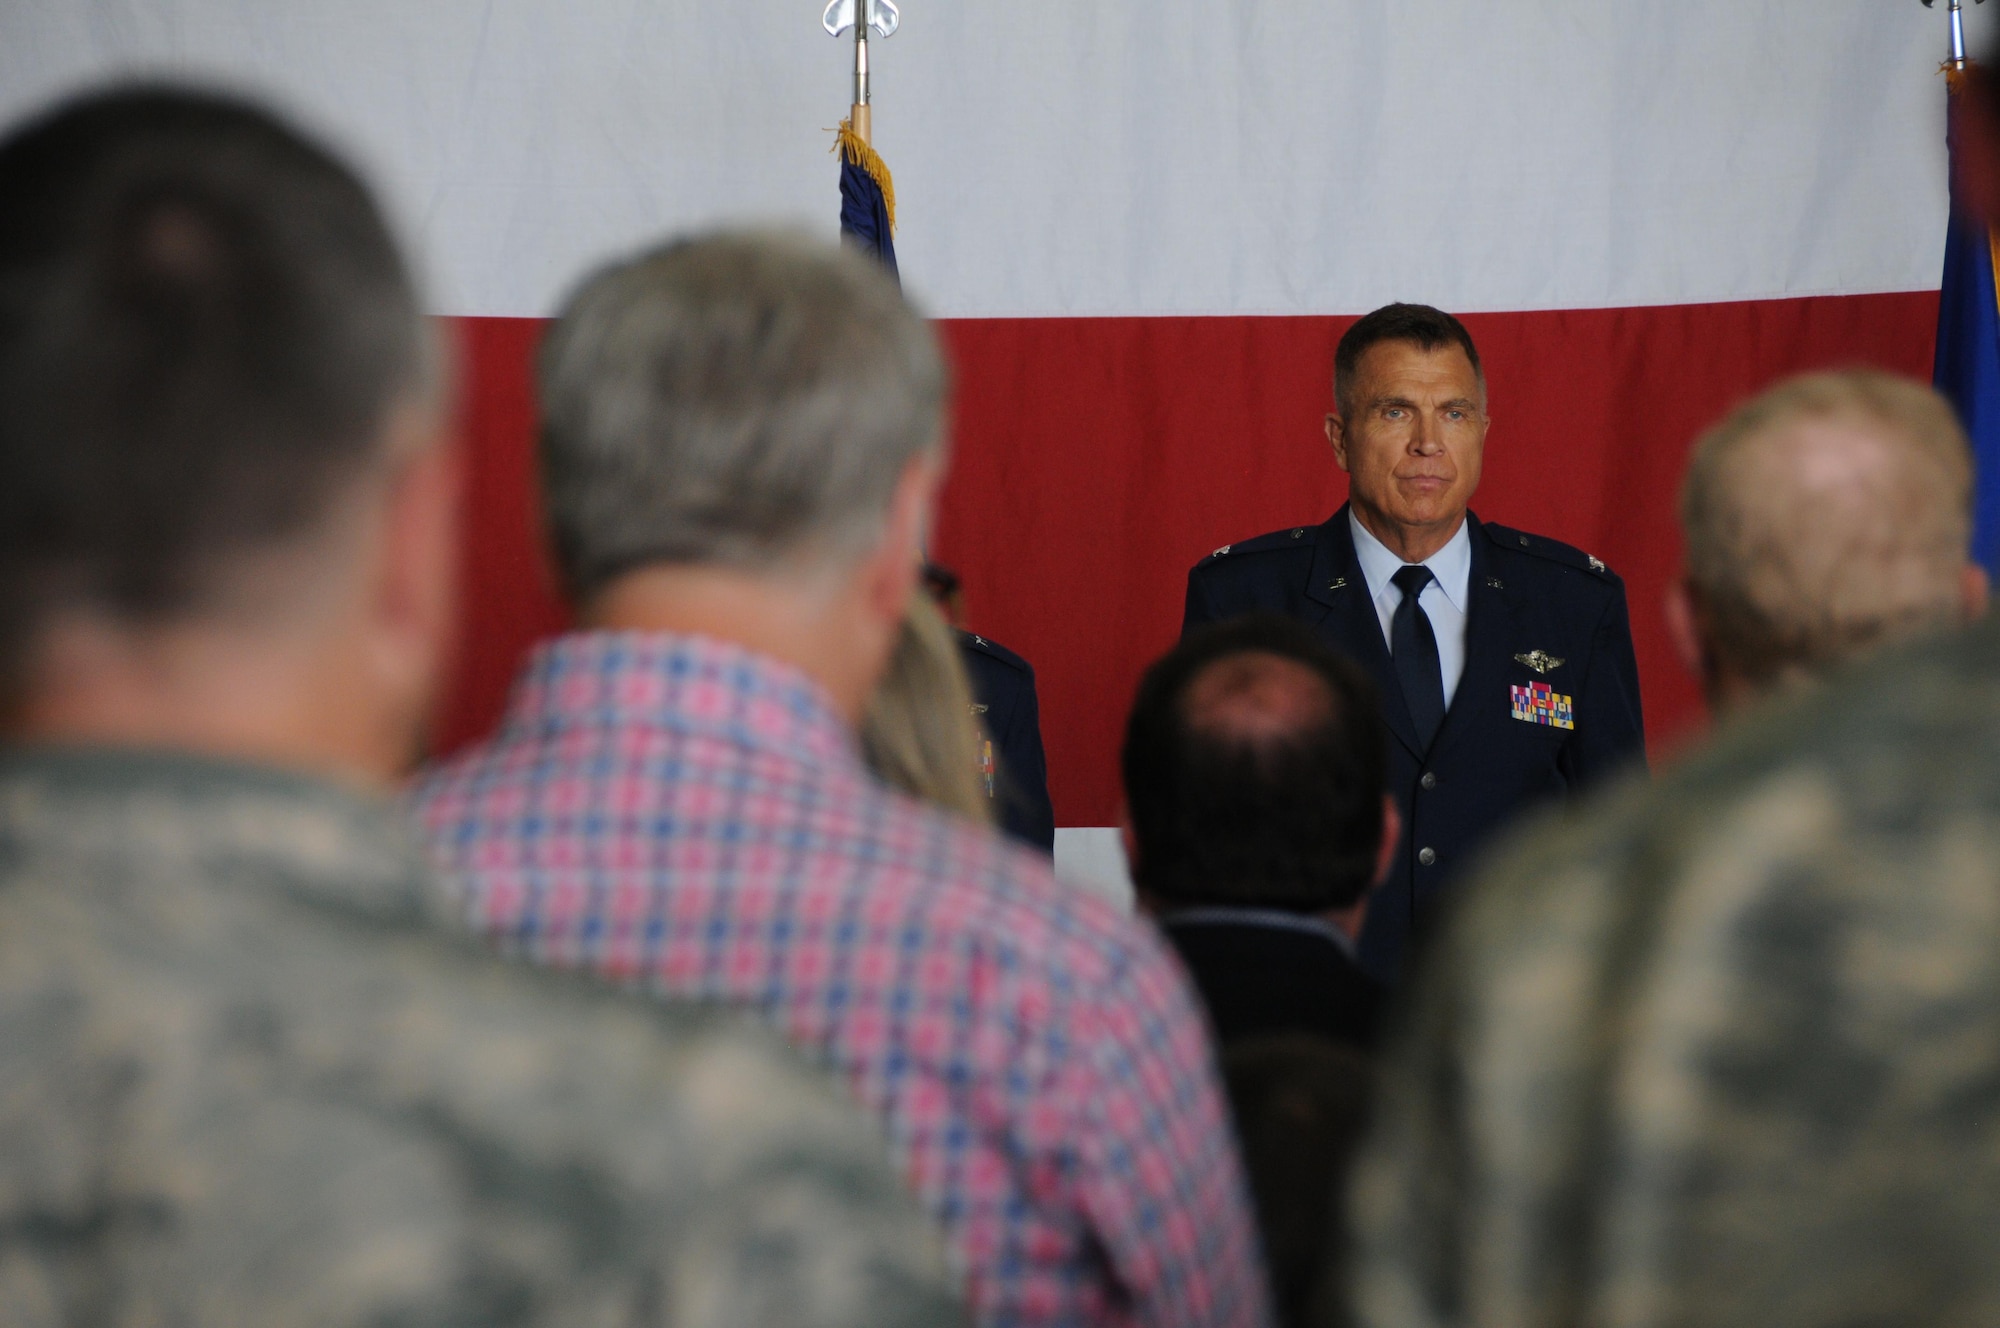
1541	546
1288	538
987	646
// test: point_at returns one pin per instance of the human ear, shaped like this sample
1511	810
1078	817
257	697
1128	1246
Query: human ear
413	600
1392	834
1336	434
1974	588
899	557
1684	630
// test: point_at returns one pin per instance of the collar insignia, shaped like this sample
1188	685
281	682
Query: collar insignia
1224	549
1596	563
1541	661
978	709
1337	583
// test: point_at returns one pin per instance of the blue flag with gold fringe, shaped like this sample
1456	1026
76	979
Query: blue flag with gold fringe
1967	368
867	197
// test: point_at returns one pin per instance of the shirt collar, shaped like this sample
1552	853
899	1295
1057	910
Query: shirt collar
691	684
1451	565
1223	915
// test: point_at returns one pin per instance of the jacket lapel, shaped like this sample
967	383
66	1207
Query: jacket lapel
1350	624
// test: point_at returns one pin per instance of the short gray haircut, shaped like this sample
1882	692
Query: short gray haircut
1831	513
732	399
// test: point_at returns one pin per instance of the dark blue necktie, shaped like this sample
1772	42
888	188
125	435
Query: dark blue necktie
1414	648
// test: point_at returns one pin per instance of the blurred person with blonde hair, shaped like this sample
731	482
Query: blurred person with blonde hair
1825	517
919	733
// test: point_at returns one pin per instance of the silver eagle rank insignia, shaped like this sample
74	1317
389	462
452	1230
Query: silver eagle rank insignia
1541	661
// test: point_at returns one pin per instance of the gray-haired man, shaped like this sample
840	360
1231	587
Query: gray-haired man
740	451
1823	518
247	1080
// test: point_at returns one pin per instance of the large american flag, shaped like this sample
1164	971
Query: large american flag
1144	225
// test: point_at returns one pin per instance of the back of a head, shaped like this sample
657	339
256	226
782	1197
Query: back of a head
918	733
204	324
1255	767
1828	515
747	400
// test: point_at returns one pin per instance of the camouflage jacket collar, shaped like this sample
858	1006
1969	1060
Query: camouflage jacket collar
162	812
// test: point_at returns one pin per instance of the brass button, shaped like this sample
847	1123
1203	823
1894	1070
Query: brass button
1430	780
1427	856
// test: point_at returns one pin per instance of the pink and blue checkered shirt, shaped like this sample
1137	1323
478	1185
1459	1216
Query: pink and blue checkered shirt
683	814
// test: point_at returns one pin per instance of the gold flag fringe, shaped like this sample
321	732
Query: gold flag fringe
868	159
1956	77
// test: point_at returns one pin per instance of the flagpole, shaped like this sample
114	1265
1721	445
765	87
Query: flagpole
861	116
883	16
867	194
1956	9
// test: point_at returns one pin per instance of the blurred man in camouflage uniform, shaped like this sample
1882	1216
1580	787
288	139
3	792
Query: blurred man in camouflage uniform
1825	517
245	1080
1725	1051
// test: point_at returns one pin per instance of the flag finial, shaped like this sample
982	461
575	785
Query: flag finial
1956	9
885	18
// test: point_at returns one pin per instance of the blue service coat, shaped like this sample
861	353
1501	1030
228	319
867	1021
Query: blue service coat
1003	693
1532	600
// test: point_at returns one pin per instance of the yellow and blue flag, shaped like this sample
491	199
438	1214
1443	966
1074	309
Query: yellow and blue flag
1967	367
867	196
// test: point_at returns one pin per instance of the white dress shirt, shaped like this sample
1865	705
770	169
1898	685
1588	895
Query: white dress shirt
1443	601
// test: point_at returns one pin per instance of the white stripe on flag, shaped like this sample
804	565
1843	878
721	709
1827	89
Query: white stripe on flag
1122	156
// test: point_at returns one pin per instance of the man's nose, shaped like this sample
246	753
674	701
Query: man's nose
1427	439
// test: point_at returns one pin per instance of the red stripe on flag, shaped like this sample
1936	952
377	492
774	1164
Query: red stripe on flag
1097	459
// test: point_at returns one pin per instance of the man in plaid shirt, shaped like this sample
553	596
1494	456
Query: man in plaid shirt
741	449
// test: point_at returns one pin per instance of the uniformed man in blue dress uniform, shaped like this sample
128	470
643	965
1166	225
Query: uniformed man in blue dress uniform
1012	764
1504	658
1016	773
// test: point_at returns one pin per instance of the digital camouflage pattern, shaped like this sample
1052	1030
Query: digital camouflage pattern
1726	1050
245	1079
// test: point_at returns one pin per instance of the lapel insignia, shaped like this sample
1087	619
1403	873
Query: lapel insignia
978	709
1536	704
1496	583
1596	563
1224	549
1336	583
1541	661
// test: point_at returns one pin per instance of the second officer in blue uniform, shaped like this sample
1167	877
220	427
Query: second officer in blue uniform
1504	659
1015	771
